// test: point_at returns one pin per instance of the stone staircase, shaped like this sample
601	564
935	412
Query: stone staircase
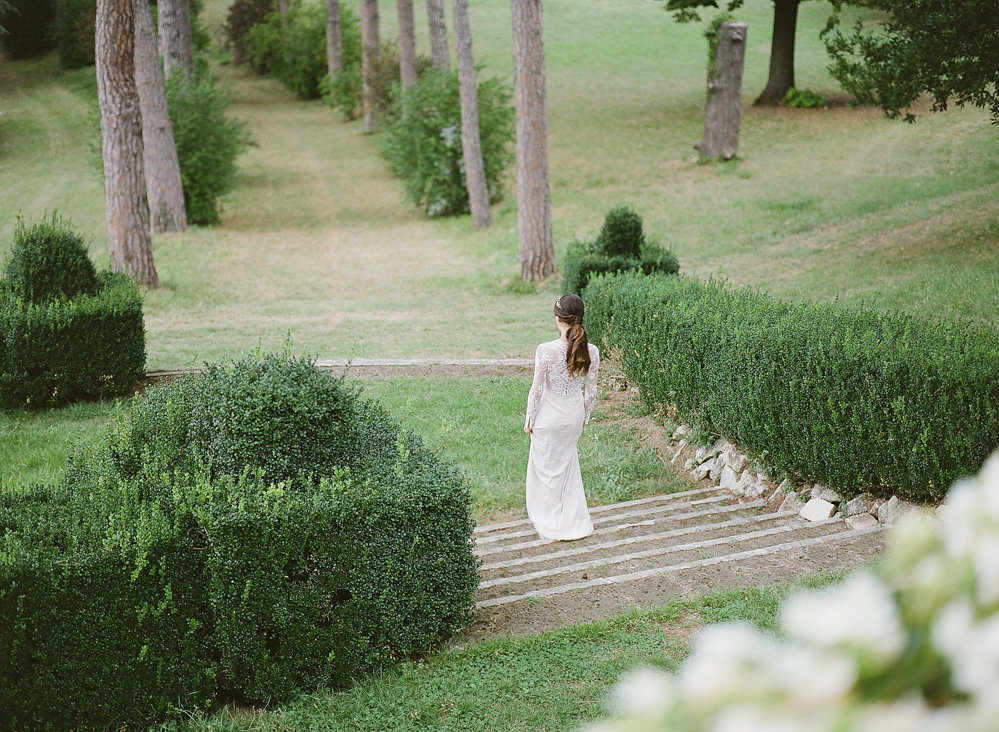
653	539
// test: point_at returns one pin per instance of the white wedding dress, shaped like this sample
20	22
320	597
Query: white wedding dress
557	410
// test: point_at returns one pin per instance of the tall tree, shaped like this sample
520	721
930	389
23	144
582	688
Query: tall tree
534	209
129	240
471	145
283	7
370	53
947	49
407	44
164	189
176	44
334	41
439	59
781	77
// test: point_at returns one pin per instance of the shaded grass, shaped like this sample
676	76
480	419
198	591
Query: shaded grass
554	681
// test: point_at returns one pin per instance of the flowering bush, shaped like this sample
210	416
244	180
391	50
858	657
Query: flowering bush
911	644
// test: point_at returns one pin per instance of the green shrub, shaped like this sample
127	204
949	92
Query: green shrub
424	146
62	351
346	91
621	246
48	261
26	24
208	143
621	234
850	398
242	16
251	531
293	49
73	32
804	99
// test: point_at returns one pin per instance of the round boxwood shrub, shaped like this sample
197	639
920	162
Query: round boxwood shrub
621	246
49	261
257	529
66	333
621	234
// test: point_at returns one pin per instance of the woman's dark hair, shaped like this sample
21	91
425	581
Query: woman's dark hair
569	309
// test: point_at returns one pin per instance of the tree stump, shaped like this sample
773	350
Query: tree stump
724	110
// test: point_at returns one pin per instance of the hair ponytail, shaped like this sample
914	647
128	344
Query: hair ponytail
569	309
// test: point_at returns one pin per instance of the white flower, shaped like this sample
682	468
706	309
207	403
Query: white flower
750	718
858	614
971	647
812	676
730	661
644	691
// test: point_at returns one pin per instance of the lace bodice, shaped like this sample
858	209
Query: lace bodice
551	374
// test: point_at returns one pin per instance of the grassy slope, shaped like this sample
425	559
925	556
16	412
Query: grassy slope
316	240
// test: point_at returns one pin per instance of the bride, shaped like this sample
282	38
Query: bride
557	411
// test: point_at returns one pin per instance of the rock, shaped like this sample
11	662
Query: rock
716	471
736	460
748	485
777	496
791	503
703	470
817	509
728	478
826	494
681	431
861	521
618	383
679	450
858	504
893	509
703	454
723	445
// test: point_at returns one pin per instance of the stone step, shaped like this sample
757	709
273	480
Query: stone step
608	564
632	574
626	525
486	529
640	542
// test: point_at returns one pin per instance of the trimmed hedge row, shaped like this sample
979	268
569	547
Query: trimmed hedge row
64	350
851	398
237	536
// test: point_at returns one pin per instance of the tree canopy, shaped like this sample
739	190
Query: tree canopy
947	48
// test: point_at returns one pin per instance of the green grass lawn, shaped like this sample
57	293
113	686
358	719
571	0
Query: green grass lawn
316	240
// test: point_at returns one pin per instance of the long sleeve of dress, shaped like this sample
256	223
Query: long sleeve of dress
537	386
590	397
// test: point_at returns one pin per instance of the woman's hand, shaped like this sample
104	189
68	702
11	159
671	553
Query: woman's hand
527	427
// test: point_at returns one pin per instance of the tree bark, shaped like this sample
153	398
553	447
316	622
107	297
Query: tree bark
781	53
334	42
176	45
370	52
283	7
407	44
724	111
129	240
475	172
534	211
164	190
439	59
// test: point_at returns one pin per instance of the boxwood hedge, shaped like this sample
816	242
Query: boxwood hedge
235	536
856	399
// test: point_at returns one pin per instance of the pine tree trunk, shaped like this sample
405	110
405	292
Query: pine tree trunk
407	44
781	53
370	52
475	172
534	212
724	111
439	59
129	239
334	42
176	46
164	190
283	7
